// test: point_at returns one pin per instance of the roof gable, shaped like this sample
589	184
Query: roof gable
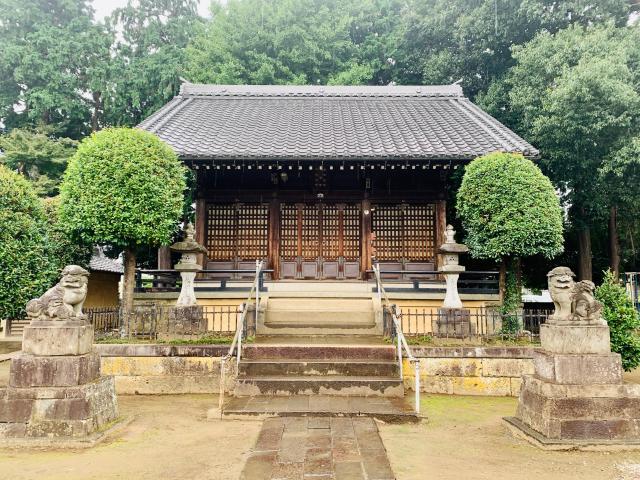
254	122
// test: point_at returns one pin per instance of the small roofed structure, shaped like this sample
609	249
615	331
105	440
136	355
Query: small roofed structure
104	281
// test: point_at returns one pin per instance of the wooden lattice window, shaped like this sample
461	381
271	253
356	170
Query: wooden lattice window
351	232
289	231
237	231
330	232
405	231
309	241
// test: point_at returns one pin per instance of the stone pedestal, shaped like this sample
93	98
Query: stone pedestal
453	322
57	338
184	322
575	339
576	398
55	388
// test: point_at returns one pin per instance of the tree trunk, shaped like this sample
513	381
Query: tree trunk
614	242
164	258
97	107
502	279
585	267
129	280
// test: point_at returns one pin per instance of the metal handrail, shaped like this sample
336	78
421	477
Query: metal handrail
400	338
236	344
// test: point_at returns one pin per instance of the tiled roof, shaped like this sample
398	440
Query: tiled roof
252	122
100	263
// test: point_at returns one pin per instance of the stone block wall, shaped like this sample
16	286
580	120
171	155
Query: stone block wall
490	371
163	369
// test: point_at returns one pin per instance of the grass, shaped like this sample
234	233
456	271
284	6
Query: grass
497	341
204	340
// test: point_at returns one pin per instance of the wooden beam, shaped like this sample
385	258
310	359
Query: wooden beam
365	238
273	246
164	258
441	228
201	225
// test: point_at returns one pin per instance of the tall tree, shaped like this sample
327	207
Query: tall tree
297	42
576	95
471	40
150	56
40	158
51	64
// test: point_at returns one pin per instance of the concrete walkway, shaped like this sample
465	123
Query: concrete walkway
302	448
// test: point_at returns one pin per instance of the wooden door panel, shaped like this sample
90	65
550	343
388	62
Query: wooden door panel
317	239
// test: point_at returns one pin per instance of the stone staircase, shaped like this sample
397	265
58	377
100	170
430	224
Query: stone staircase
16	327
320	316
319	369
320	351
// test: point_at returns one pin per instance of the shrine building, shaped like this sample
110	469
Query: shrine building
318	180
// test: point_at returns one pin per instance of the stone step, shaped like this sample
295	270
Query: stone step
319	352
314	367
354	386
17	327
387	409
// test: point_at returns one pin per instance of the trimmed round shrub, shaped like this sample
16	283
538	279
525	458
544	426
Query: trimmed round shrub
509	208
27	268
123	187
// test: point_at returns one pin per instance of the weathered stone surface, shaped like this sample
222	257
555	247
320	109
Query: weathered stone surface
491	386
15	410
64	301
451	367
57	338
58	412
575	339
453	322
506	367
166	366
578	369
54	371
574	412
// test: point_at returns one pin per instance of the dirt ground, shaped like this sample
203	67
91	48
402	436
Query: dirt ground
169	438
464	438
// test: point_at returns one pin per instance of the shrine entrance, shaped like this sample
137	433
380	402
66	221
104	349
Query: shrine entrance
320	240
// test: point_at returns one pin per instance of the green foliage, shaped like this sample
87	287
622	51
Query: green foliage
123	187
149	56
576	95
297	42
509	208
444	41
64	249
27	267
38	157
623	320
52	54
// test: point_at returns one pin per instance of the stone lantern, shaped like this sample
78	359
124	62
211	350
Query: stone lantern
186	318
452	318
188	266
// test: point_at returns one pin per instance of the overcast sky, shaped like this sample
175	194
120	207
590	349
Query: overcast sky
105	7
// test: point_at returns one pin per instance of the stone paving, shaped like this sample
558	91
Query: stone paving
304	448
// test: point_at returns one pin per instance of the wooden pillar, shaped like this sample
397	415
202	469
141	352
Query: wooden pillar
273	242
201	223
164	258
441	228
366	247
